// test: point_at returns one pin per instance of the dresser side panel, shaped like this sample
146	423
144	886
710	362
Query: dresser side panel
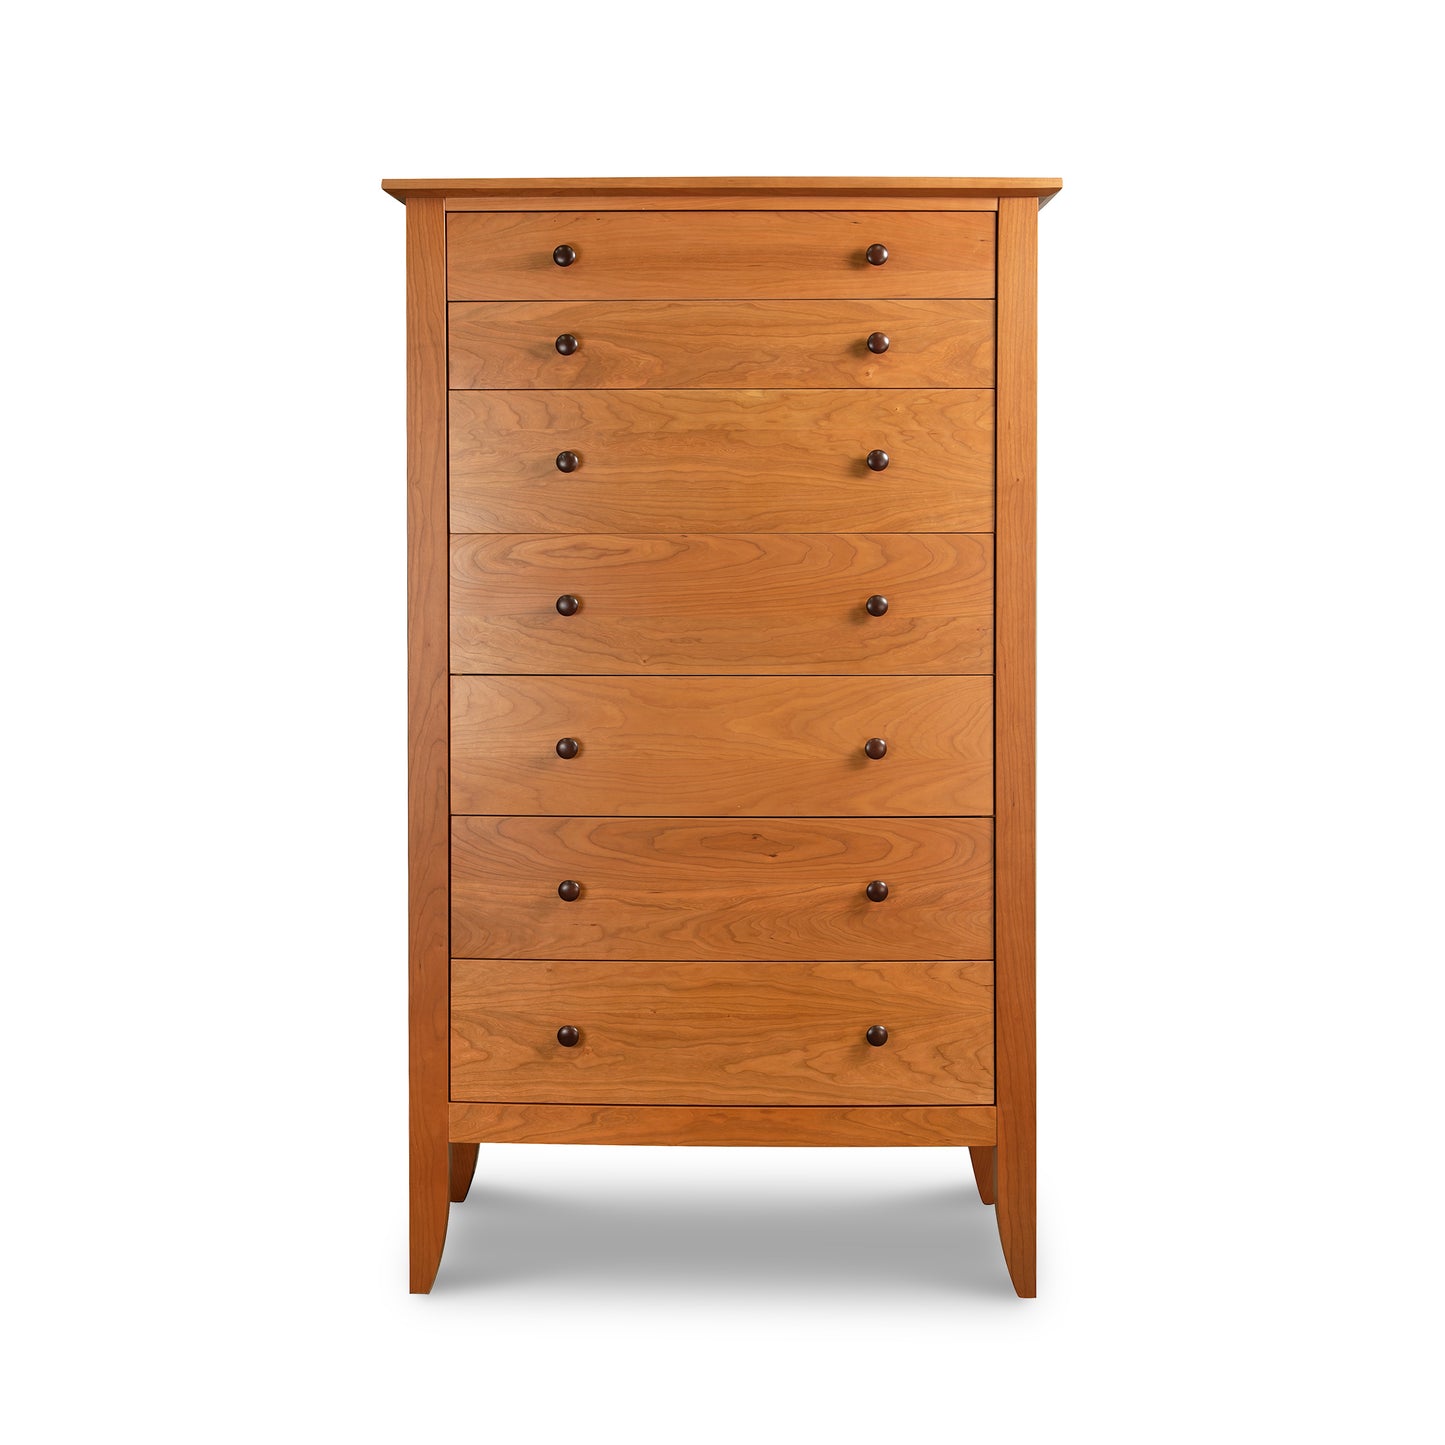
427	732
1014	732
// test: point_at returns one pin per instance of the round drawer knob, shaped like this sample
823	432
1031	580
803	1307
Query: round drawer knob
876	254
564	255
569	892
568	747
876	605
566	344
877	461
878	343
568	1036
875	748
877	1036
567	605
877	890
570	461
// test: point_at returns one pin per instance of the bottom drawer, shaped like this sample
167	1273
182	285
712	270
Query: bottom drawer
721	1033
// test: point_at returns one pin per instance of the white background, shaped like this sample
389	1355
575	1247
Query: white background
1240	808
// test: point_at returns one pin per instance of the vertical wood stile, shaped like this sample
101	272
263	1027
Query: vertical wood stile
427	780
1014	734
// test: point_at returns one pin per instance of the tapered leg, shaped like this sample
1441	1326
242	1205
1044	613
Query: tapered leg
463	1166
1015	1205
429	1190
983	1167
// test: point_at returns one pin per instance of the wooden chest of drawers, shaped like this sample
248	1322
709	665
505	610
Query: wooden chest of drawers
721	529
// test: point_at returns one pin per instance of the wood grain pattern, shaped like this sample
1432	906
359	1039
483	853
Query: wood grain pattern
746	1127
644	191
721	343
722	502
722	461
427	783
722	1033
762	603
753	255
982	1159
680	747
563	201
718	888
463	1167
1018	254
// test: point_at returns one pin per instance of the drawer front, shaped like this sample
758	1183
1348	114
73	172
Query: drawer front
751	746
630	255
720	343
722	461
766	603
719	888
722	1033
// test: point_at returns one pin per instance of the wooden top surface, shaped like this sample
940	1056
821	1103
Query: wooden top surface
658	188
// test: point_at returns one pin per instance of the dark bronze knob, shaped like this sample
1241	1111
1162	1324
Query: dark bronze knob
877	343
874	747
876	254
570	461
566	344
877	1036
877	461
877	890
570	892
568	1036
567	605
565	255
568	747
876	605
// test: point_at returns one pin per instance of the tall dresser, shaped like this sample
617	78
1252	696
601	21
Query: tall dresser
721	682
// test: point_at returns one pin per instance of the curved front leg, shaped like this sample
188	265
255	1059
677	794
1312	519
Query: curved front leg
983	1156
462	1165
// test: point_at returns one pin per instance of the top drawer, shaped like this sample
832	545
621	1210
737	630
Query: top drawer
665	255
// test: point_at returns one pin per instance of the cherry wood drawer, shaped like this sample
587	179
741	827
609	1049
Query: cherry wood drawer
720	343
722	1033
721	888
640	255
719	461
684	746
766	603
